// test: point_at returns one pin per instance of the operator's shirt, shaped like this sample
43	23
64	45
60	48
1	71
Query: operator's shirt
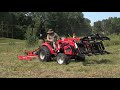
52	37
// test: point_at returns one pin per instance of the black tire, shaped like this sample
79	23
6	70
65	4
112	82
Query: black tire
62	59
44	54
80	58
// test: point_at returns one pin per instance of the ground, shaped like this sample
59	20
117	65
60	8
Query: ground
100	66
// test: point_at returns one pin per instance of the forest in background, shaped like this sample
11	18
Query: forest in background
19	25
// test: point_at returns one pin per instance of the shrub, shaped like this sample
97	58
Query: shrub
31	38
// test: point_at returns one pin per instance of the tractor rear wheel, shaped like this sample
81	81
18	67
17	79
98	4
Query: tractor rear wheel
62	59
44	54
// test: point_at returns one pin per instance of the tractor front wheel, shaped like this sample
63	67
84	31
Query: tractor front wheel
62	59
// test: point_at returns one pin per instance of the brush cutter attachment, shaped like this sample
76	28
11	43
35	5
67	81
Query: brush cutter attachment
29	55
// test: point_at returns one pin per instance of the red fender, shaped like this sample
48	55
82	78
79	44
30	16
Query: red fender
49	47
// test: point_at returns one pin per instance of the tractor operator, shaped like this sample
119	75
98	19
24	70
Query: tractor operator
52	37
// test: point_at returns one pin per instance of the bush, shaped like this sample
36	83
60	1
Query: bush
31	38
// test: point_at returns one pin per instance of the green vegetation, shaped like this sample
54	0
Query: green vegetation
115	40
31	38
29	25
108	26
16	24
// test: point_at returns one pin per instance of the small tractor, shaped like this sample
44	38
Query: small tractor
69	48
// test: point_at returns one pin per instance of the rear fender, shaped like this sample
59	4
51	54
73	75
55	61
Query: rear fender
49	46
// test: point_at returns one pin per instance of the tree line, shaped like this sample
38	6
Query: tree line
107	26
22	25
19	24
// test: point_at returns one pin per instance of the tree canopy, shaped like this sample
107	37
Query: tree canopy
16	24
108	26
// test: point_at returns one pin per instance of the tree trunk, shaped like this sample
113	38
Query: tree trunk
12	32
2	28
7	31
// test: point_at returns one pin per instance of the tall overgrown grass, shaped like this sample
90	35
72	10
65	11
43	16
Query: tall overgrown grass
115	40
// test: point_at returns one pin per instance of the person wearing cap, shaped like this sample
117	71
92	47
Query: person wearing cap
52	37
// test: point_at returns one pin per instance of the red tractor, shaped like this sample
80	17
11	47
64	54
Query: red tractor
69	48
66	49
73	48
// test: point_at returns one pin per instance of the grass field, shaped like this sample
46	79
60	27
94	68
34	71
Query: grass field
100	66
8	40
